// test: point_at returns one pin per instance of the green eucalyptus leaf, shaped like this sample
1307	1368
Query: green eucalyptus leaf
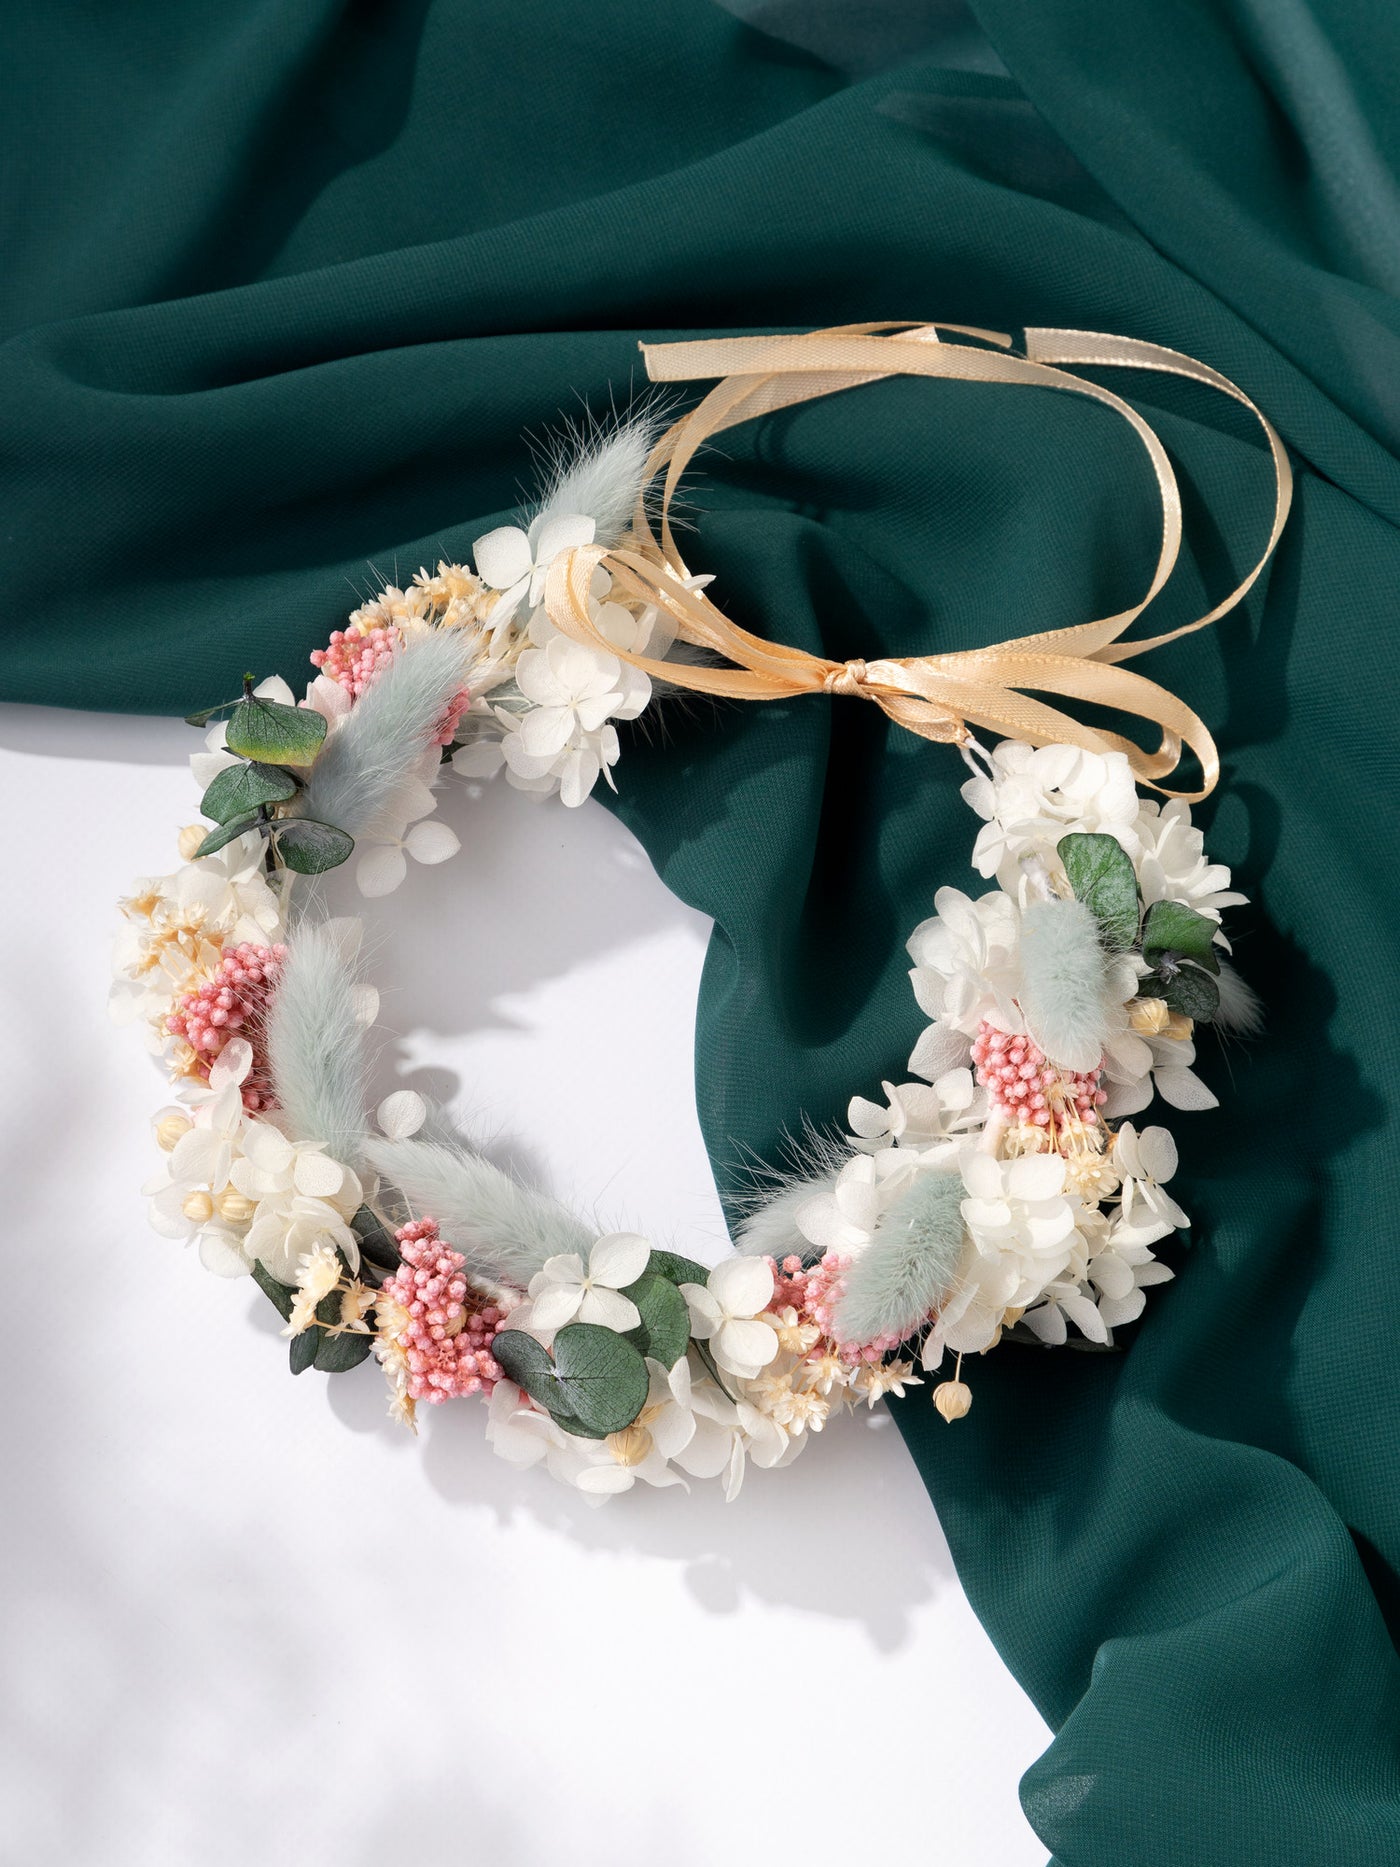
1172	927
310	847
304	1349
603	1378
1192	992
337	1354
1102	877
226	832
532	1368
275	734
665	1327
242	788
676	1269
595	1383
203	719
277	1293
376	1242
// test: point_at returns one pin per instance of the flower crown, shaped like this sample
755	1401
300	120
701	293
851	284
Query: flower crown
1004	1193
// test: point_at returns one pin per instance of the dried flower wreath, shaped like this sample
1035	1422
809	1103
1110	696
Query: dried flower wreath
1004	1192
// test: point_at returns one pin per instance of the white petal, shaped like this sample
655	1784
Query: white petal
431	842
555	1305
317	1176
955	1089
402	1114
480	758
618	1259
1157	1152
328	698
982	1176
1122	1309
741	1345
364	1002
565	1267
561	533
705	1314
1048	1323
1036	1176
1085	1316
200	1158
503	557
708	1450
672	1431
742	1286
604	1480
867	1119
275	688
232	1063
219	1253
544	730
580	775
267	1148
380	870
206	766
1183	1089
609	1309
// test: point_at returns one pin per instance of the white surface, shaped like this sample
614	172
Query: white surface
247	1620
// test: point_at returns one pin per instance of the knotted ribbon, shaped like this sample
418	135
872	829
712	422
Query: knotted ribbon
936	696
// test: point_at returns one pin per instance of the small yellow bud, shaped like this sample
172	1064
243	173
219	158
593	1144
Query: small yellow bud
952	1399
191	837
199	1207
234	1206
170	1128
1149	1017
630	1446
1179	1025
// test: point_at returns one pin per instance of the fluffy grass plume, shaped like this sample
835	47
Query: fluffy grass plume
503	1231
770	1230
1241	1011
596	469
316	1046
1063	978
380	743
907	1269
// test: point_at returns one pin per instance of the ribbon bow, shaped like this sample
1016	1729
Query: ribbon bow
936	696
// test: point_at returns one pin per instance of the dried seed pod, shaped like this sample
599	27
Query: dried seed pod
952	1399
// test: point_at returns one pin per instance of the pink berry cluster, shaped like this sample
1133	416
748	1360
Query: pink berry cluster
233	1002
353	660
1024	1086
814	1294
446	729
451	1326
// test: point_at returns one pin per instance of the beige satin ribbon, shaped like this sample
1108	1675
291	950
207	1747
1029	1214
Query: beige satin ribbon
936	696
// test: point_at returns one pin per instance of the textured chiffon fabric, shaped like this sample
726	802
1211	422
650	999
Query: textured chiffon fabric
286	283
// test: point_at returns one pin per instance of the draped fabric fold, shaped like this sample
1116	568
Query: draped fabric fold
286	282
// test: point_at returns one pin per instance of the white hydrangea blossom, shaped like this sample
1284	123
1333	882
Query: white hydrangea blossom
553	731
1034	795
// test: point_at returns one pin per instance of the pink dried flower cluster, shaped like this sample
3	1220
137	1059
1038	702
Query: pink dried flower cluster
233	1002
447	1339
446	729
814	1294
1024	1086
353	660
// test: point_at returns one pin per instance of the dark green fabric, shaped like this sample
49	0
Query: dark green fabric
284	284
